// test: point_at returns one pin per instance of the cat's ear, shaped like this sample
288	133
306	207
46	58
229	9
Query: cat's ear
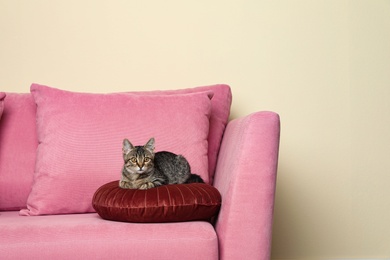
150	145
127	146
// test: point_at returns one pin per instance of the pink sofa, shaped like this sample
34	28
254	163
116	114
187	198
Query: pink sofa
242	164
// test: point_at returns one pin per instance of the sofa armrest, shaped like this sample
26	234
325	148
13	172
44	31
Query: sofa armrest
246	179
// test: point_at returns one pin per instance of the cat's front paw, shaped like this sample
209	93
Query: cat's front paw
146	186
125	185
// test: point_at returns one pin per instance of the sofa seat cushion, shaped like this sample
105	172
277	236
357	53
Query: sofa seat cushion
87	236
167	203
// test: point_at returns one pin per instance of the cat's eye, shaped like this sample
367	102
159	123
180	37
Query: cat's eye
133	159
147	159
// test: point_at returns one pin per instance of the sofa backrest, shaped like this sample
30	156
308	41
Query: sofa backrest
2	97
18	139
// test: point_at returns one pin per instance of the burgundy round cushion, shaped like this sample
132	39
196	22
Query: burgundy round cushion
167	203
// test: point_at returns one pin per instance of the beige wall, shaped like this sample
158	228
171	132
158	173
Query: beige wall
324	66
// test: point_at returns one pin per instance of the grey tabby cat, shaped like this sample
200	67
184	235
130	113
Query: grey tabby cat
145	169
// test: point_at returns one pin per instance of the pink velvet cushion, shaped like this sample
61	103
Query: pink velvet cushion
80	140
167	203
18	144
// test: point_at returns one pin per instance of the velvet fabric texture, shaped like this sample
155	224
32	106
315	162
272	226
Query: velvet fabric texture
18	144
167	203
87	236
18	137
80	140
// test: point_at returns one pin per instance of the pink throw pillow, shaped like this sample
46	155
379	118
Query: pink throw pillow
18	144
80	140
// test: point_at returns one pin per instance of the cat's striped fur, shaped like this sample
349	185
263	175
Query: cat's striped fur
145	169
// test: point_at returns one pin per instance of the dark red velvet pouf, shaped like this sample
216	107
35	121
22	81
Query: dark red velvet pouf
168	203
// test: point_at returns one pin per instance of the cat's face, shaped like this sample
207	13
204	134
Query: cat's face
138	159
